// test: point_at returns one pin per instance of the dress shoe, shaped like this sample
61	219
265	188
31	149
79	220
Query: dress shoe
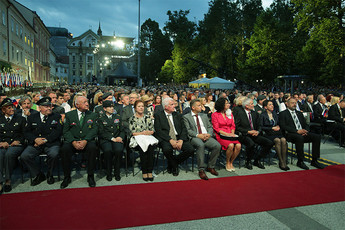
109	178
117	178
284	168
50	179
302	165
169	170
203	175
38	179
145	179
249	165
212	171
175	172
150	178
258	164
66	181
7	188
91	181
316	164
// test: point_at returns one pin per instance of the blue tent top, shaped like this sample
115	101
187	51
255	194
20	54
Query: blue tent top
218	80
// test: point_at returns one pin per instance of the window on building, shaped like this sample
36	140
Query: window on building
25	38
12	53
89	66
21	57
32	64
89	58
73	66
65	70
17	55
3	18
80	66
73	72
56	70
80	58
73	58
17	33
26	61
4	47
32	45
80	73
21	33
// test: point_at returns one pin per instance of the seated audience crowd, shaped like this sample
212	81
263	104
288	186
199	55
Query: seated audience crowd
101	121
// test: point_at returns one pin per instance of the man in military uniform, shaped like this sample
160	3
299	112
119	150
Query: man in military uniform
43	132
111	139
79	131
11	142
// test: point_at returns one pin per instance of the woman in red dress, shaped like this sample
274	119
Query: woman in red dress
224	127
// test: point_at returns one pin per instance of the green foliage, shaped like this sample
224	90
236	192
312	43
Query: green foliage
167	73
239	39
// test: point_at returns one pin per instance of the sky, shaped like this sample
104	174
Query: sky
116	16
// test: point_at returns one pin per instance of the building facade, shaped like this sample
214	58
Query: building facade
95	55
17	40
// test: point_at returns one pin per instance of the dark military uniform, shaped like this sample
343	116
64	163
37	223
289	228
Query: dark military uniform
10	131
74	131
110	127
51	130
58	109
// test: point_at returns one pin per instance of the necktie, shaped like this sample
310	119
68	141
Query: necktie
250	120
198	123
81	119
171	131
341	113
45	118
295	119
8	120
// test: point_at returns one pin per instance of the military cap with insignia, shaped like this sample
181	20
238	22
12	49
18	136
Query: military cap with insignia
104	96
44	101
107	104
6	102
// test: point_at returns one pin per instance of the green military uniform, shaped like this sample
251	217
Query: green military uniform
110	127
74	131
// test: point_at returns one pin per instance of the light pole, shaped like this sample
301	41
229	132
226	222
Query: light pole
139	80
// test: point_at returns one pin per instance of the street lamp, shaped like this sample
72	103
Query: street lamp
139	80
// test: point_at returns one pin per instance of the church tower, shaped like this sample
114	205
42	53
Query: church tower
99	31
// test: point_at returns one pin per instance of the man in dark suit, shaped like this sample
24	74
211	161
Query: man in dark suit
292	122
124	102
79	131
200	132
320	110
248	127
43	132
259	107
172	135
11	142
337	113
111	139
25	104
276	102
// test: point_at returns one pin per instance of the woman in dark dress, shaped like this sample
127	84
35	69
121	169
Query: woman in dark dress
270	125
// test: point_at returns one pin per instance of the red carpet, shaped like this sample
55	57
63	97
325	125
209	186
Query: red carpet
156	203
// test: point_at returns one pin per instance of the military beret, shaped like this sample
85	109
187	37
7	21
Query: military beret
6	102
107	104
106	95
261	97
44	101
